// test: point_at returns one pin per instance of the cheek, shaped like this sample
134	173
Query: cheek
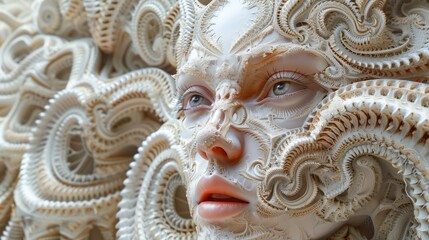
195	119
198	169
290	112
310	104
290	123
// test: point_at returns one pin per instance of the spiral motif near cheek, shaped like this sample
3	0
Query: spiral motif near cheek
332	77
327	170
155	187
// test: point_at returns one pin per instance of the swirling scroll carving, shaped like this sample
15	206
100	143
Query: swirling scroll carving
349	124
359	36
155	186
27	84
153	30
84	82
92	136
61	18
12	16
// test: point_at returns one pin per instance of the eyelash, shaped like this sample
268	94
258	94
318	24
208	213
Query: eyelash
188	91
275	77
298	76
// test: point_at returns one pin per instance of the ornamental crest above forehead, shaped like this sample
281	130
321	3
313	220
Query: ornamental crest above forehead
249	19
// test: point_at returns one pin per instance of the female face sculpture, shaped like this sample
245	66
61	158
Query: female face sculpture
254	166
235	105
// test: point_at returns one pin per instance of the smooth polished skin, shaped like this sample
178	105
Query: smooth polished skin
234	106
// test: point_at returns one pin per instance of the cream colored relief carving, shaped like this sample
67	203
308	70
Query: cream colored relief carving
61	18
72	117
154	26
371	38
28	81
13	15
91	132
310	116
155	187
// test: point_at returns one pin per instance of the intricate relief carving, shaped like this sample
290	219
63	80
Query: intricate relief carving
92	135
283	119
13	15
154	28
155	187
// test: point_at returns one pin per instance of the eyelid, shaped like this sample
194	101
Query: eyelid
200	90
289	75
195	90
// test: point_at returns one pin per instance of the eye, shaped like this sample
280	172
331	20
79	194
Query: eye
280	88
195	100
284	88
282	85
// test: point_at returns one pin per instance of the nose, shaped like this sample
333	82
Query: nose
222	148
217	118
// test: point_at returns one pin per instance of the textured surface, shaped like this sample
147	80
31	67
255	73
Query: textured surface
101	136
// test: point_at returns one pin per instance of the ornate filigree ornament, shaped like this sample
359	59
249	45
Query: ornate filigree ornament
283	119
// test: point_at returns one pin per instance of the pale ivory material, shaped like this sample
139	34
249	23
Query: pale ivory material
250	119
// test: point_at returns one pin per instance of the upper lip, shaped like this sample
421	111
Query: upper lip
217	185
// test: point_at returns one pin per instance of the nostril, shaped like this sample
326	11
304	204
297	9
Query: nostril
219	151
203	154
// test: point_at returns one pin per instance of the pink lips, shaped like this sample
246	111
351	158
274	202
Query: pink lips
219	199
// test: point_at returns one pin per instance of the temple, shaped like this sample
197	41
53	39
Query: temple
222	119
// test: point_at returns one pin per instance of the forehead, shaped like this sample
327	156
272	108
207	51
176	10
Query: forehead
230	22
226	26
227	46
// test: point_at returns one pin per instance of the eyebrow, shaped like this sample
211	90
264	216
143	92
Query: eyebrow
275	55
189	71
196	72
192	75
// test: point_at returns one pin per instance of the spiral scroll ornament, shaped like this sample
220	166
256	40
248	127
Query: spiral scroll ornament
92	116
91	137
155	186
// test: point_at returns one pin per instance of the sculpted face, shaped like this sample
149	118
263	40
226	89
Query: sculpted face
235	104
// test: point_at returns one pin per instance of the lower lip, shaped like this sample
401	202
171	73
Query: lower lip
212	210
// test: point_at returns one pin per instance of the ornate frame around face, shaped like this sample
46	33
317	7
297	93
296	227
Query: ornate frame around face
99	74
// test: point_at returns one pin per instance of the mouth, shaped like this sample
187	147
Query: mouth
219	199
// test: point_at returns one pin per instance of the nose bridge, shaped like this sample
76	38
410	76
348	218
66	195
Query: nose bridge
218	117
225	103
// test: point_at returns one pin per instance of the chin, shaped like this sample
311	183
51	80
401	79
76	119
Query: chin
239	228
243	226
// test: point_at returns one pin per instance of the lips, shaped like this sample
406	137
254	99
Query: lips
219	199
